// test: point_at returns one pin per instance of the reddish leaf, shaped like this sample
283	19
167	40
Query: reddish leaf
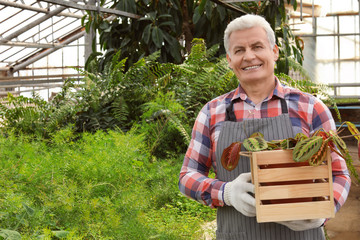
353	130
319	156
230	156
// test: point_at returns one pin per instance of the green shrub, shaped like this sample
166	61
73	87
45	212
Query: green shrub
101	186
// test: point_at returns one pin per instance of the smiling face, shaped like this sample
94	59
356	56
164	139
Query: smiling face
251	57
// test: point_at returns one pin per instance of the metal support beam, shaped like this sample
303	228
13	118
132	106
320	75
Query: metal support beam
28	45
93	8
46	52
28	90
6	80
35	9
33	24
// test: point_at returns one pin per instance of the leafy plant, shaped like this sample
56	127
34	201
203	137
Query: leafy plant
23	114
156	31
103	186
162	125
9	235
201	79
312	149
316	89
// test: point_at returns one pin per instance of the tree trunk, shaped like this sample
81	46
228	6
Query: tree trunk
186	26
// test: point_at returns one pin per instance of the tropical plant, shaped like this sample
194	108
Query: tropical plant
25	114
312	149
164	97
203	78
306	85
169	26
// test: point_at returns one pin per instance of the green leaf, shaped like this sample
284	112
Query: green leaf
353	130
294	4
152	16
172	46
285	35
306	148
124	42
222	12
196	15
104	25
9	234
127	6
202	6
83	20
168	23
165	16
208	10
146	34
146	18
254	144
28	209
157	37
60	234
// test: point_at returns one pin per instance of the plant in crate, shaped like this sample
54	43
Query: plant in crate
293	176
312	149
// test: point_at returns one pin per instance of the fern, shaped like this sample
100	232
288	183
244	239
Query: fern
119	109
23	114
180	127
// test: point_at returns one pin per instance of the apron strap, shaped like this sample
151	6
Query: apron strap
230	114
284	107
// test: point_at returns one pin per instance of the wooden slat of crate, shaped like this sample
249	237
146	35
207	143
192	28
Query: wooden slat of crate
292	173
294	191
263	179
273	157
294	211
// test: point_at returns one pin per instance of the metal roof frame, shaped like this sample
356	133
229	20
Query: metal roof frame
32	30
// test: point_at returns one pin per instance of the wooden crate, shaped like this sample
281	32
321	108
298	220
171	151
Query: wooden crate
286	190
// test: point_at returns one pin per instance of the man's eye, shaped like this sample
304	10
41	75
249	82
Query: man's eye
239	50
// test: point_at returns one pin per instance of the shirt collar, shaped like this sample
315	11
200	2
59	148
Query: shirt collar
278	92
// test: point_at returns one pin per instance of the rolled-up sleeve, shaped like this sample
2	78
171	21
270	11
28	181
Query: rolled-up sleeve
322	118
194	181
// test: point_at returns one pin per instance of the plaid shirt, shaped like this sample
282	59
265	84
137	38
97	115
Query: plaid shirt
307	114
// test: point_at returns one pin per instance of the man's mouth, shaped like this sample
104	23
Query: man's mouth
251	67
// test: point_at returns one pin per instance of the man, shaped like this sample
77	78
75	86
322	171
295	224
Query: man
259	104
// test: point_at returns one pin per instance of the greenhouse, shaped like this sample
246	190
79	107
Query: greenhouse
112	116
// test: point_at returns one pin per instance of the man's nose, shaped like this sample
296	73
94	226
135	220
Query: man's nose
249	55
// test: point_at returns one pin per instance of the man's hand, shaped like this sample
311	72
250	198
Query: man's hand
302	225
237	194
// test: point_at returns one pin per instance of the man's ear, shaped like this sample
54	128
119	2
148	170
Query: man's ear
228	59
276	52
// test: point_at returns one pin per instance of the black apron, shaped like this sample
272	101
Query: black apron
231	224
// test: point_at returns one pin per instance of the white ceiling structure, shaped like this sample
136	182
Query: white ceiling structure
42	42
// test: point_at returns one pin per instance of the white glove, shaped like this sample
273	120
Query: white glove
302	225
236	194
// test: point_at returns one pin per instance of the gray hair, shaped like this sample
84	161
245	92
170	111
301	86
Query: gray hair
245	22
